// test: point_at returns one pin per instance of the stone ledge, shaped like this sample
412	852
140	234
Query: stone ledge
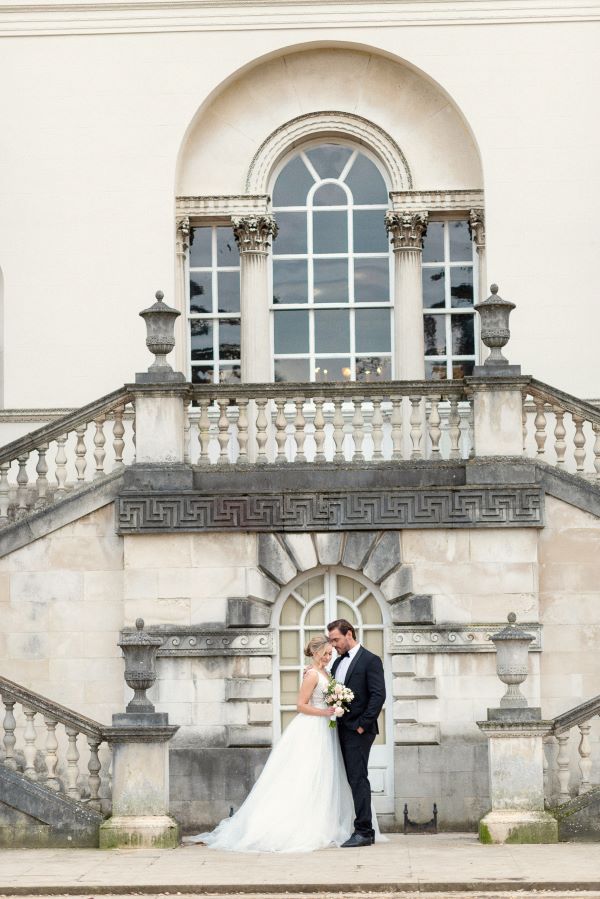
417	734
452	638
188	640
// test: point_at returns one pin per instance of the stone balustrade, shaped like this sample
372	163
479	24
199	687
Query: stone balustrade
568	773
561	430
69	453
31	745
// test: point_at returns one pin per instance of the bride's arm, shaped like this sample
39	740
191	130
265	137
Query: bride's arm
308	685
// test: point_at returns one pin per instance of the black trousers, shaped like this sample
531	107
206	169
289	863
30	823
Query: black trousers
355	752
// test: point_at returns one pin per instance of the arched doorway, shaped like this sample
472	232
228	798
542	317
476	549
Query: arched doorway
304	608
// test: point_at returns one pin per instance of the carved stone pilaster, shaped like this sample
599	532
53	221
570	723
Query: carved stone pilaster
477	228
407	229
254	233
182	235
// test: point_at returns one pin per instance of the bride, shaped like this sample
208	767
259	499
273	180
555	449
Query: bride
302	800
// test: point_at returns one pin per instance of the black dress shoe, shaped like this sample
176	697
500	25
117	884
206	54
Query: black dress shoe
357	839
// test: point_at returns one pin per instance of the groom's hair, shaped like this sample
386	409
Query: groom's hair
343	626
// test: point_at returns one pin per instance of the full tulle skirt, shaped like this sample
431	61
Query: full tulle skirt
300	802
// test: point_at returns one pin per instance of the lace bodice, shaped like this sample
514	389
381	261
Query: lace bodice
317	698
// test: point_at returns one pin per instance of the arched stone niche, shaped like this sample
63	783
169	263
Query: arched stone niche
408	108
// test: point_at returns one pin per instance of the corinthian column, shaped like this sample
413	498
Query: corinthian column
253	234
407	230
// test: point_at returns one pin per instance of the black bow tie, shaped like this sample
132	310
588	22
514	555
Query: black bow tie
345	655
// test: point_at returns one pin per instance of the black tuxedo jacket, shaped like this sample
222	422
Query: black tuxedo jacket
366	680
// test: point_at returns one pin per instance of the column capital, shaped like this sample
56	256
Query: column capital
182	234
407	229
477	227
254	233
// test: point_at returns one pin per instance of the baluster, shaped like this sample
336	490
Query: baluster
51	758
563	761
99	441
397	428
118	434
42	477
94	767
319	430
133	433
579	442
585	762
540	427
9	740
243	429
4	492
22	482
299	425
338	430
204	432
186	435
80	451
61	466
261	429
524	422
377	433
29	750
358	429
560	444
280	429
546	768
454	428
435	432
223	429
72	773
596	429
347	443
416	428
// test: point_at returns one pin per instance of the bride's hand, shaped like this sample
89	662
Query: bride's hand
330	711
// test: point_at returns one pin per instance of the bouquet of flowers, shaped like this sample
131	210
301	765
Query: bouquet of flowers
338	696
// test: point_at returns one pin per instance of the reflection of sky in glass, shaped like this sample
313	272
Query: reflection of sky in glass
291	332
433	243
332	331
435	335
330	232
366	183
461	247
201	339
290	281
461	285
329	159
292	370
201	292
228	291
292	233
330	195
227	250
371	280
373	333
330	281
229	338
433	288
293	184
370	235
200	247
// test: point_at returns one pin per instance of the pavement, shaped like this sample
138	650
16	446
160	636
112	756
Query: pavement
423	865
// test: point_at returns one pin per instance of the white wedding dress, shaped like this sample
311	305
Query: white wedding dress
301	801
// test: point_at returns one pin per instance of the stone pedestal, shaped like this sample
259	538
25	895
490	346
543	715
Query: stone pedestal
516	764
159	423
497	416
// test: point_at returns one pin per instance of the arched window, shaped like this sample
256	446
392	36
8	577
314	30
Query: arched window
332	276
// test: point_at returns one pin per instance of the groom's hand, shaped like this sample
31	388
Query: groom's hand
360	730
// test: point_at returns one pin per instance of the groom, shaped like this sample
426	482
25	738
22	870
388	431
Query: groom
362	672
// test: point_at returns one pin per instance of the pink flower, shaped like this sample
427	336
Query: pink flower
338	712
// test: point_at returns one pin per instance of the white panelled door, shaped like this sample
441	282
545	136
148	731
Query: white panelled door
305	608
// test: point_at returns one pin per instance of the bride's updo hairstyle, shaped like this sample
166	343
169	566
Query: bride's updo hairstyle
316	645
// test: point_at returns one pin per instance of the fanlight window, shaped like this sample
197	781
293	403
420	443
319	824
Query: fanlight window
332	298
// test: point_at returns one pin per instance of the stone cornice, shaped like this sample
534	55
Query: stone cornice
221	207
196	640
458	637
411	201
122	16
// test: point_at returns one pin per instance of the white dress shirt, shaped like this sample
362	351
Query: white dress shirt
342	668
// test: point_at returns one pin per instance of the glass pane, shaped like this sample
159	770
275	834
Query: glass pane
289	645
373	640
286	718
291	237
373	331
433	288
371	280
316	615
343	610
229	338
332	370
329	159
200	247
201	339
463	337
380	738
201	292
292	370
435	371
370	611
332	331
312	588
462	369
330	232
227	249
293	184
370	235
228	291
229	374
433	244
330	195
374	368
461	285
349	588
366	183
434	328
291	332
202	374
289	683
461	248
291	611
290	282
330	281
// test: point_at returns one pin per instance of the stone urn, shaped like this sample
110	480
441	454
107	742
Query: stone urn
495	333
140	650
160	332
512	653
